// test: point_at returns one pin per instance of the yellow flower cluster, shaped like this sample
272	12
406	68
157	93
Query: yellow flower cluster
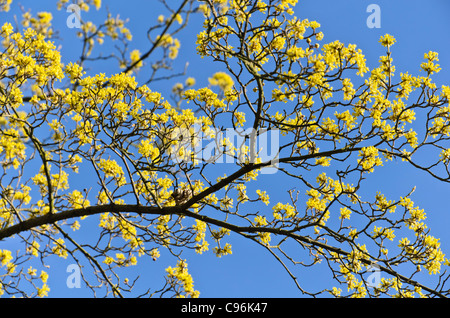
121	260
147	149
430	67
59	248
445	155
240	118
135	57
163	228
428	252
12	147
223	80
116	26
31	55
263	236
295	53
335	54
345	213
200	229
78	200
281	211
387	40
59	181
263	196
84	4
179	276
381	232
353	284
41	24
241	192
33	249
205	95
5	5
286	6
347	118
107	221
347	89
221	251
112	169
435	256
169	43
6	258
369	158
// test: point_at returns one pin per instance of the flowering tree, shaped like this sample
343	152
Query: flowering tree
154	182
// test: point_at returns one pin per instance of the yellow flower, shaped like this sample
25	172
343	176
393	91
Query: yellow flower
353	234
59	248
33	248
78	200
5	257
264	237
323	161
43	276
279	209
147	150
74	71
222	251
5	5
336	292
97	4
263	196
369	158
7	29
200	228
379	231
179	18
294	53
43	291
190	81
31	271
260	220
179	275
240	117
445	155
135	56
429	66
223	80
112	169
278	42
345	213
347	89
387	40
154	253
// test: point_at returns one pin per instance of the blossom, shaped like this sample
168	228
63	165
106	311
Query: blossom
387	40
135	57
369	158
43	291
263	196
345	213
221	79
5	257
179	275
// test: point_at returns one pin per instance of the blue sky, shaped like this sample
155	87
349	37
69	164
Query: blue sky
418	26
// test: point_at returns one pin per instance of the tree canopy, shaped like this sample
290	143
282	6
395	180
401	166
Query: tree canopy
105	171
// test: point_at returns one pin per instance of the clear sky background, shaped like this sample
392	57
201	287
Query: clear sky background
418	26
